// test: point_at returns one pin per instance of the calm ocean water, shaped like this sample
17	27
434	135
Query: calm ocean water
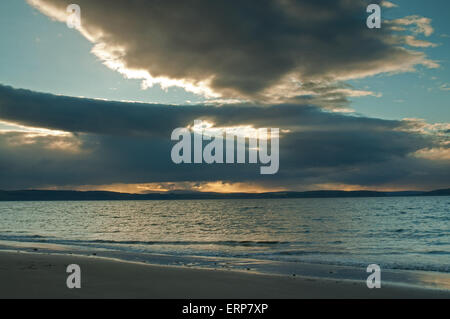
410	233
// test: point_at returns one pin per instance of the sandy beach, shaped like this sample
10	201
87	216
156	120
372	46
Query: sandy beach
34	275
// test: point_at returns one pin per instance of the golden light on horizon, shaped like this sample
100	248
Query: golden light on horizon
142	188
221	187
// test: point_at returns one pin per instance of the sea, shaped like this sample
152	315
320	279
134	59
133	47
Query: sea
408	237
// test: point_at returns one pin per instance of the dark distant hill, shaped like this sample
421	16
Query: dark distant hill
439	192
48	195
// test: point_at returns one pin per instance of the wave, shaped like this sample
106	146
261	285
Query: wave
49	239
269	250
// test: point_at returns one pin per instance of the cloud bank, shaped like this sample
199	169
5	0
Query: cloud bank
267	51
284	64
92	142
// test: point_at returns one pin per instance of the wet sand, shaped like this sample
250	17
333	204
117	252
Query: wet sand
34	275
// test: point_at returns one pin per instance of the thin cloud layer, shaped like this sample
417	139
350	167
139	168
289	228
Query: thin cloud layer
265	51
104	143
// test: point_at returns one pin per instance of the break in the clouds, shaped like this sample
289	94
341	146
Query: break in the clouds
266	51
92	142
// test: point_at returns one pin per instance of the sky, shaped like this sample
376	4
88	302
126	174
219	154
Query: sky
94	107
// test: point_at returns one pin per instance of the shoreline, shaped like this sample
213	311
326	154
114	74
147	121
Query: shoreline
40	275
415	279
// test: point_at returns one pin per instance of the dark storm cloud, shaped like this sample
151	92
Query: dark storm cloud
119	118
113	142
250	49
